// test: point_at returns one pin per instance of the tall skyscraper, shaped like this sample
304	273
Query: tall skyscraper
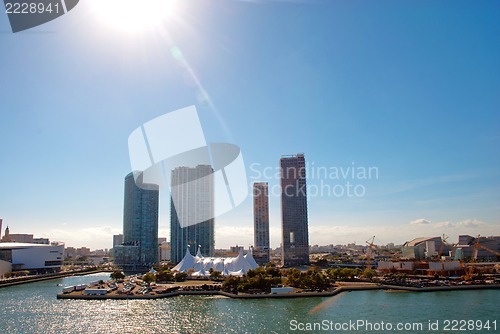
261	222
191	211
295	237
140	225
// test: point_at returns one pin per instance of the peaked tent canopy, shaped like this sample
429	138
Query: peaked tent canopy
236	266
186	263
249	257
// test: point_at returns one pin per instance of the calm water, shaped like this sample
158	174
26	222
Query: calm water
33	308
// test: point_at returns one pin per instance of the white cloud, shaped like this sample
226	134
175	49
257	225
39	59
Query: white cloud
470	223
420	221
93	237
445	224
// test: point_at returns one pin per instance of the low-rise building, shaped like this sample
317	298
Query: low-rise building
36	258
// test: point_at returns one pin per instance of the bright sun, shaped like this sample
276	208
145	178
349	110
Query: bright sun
133	15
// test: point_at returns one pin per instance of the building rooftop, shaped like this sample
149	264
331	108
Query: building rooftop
417	241
4	245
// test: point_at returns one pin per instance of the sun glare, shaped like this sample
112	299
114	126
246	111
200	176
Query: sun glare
132	15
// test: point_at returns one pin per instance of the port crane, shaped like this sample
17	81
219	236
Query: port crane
443	242
371	247
470	270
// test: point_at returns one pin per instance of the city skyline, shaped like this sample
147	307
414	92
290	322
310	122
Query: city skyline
407	89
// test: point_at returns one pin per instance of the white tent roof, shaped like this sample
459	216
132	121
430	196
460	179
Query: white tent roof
201	273
219	264
208	263
236	273
250	259
236	266
186	263
198	265
239	263
198	253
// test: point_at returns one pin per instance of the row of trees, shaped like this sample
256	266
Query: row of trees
350	274
312	279
16	273
263	278
160	276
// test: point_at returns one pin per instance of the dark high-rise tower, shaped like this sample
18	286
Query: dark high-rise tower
261	222
192	211
140	225
295	233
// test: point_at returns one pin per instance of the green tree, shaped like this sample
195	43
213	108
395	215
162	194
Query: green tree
293	277
231	283
273	271
215	274
117	274
369	274
180	277
164	275
149	278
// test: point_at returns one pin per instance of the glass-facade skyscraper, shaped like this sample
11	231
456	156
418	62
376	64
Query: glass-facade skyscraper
261	222
192	211
295	231
140	225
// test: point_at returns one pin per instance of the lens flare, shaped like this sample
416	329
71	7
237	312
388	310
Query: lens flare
134	16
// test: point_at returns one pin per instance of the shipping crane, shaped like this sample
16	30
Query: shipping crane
443	242
470	270
371	246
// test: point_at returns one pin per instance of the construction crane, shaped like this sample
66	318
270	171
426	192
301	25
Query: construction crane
488	249
443	242
371	246
470	271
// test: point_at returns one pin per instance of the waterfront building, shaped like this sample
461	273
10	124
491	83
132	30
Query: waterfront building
139	249
261	222
36	258
191	211
422	248
465	247
295	233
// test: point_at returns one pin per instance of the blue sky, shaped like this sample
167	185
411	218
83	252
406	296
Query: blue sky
411	88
